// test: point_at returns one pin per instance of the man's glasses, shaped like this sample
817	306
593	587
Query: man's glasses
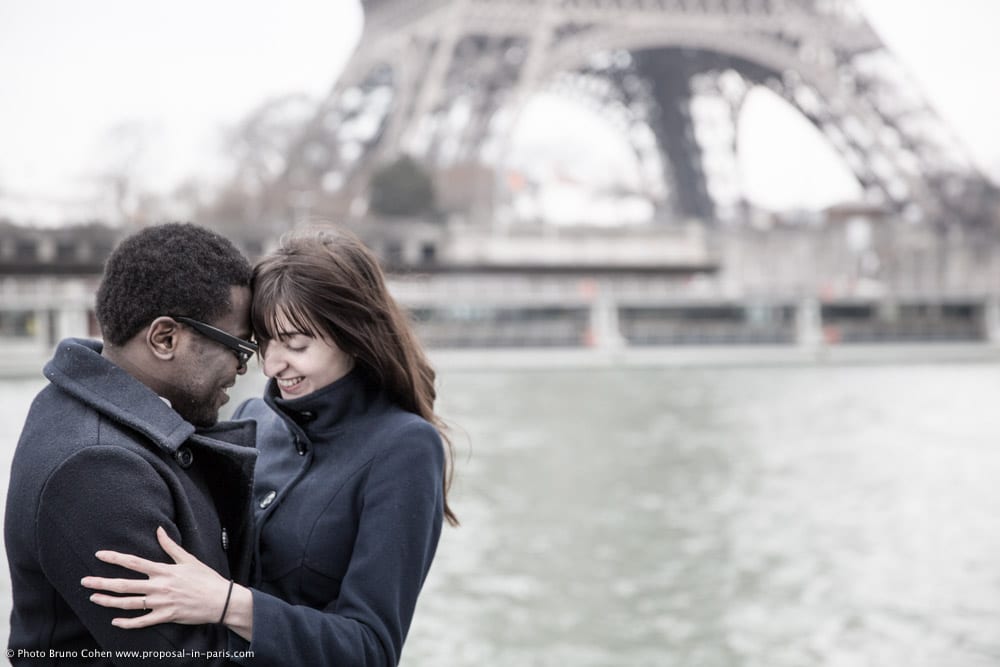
243	349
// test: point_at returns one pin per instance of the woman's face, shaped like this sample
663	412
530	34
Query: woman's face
302	364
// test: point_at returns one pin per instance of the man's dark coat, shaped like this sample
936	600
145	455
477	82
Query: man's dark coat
102	461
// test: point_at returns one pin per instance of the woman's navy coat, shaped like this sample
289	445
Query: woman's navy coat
349	506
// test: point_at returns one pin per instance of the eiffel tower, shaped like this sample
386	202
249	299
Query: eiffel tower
444	80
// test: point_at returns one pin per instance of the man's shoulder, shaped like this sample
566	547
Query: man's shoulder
68	450
59	427
56	419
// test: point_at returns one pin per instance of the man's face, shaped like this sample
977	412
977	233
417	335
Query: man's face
206	369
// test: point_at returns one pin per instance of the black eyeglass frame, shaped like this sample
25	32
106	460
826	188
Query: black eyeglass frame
243	349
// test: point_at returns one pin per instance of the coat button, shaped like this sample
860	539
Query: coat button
267	499
184	457
303	417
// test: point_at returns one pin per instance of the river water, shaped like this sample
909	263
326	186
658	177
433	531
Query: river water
811	515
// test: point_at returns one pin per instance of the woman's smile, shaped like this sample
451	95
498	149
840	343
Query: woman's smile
289	385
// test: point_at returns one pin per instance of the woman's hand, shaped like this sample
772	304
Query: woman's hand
186	592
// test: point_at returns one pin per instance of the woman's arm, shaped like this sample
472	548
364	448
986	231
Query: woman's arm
187	592
398	531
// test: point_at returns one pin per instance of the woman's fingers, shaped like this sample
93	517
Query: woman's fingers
133	586
186	591
129	562
119	602
134	603
174	550
144	621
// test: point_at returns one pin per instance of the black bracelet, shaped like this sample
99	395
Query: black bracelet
225	607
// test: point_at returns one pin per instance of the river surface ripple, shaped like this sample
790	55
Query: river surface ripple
841	516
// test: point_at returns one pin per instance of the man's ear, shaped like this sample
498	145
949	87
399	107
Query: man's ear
162	338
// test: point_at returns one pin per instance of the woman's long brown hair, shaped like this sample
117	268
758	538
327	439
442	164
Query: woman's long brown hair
325	278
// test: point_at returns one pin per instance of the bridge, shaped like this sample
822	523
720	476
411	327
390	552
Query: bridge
787	293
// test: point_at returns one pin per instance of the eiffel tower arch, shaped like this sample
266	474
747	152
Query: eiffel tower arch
444	80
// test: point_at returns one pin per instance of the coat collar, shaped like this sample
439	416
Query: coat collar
79	370
325	409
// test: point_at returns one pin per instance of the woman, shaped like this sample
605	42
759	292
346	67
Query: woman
351	481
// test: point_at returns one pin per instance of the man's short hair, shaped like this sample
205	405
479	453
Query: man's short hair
170	269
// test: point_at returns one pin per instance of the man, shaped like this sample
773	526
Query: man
124	439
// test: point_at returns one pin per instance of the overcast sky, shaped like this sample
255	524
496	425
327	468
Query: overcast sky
181	72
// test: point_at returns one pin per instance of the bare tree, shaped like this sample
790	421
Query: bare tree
122	179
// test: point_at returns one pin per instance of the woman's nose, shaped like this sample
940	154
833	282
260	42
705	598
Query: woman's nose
272	361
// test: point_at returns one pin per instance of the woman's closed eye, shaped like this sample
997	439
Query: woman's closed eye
295	344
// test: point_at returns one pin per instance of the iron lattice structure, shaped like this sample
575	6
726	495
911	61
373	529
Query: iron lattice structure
444	79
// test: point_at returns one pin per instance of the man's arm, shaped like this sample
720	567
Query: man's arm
111	498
